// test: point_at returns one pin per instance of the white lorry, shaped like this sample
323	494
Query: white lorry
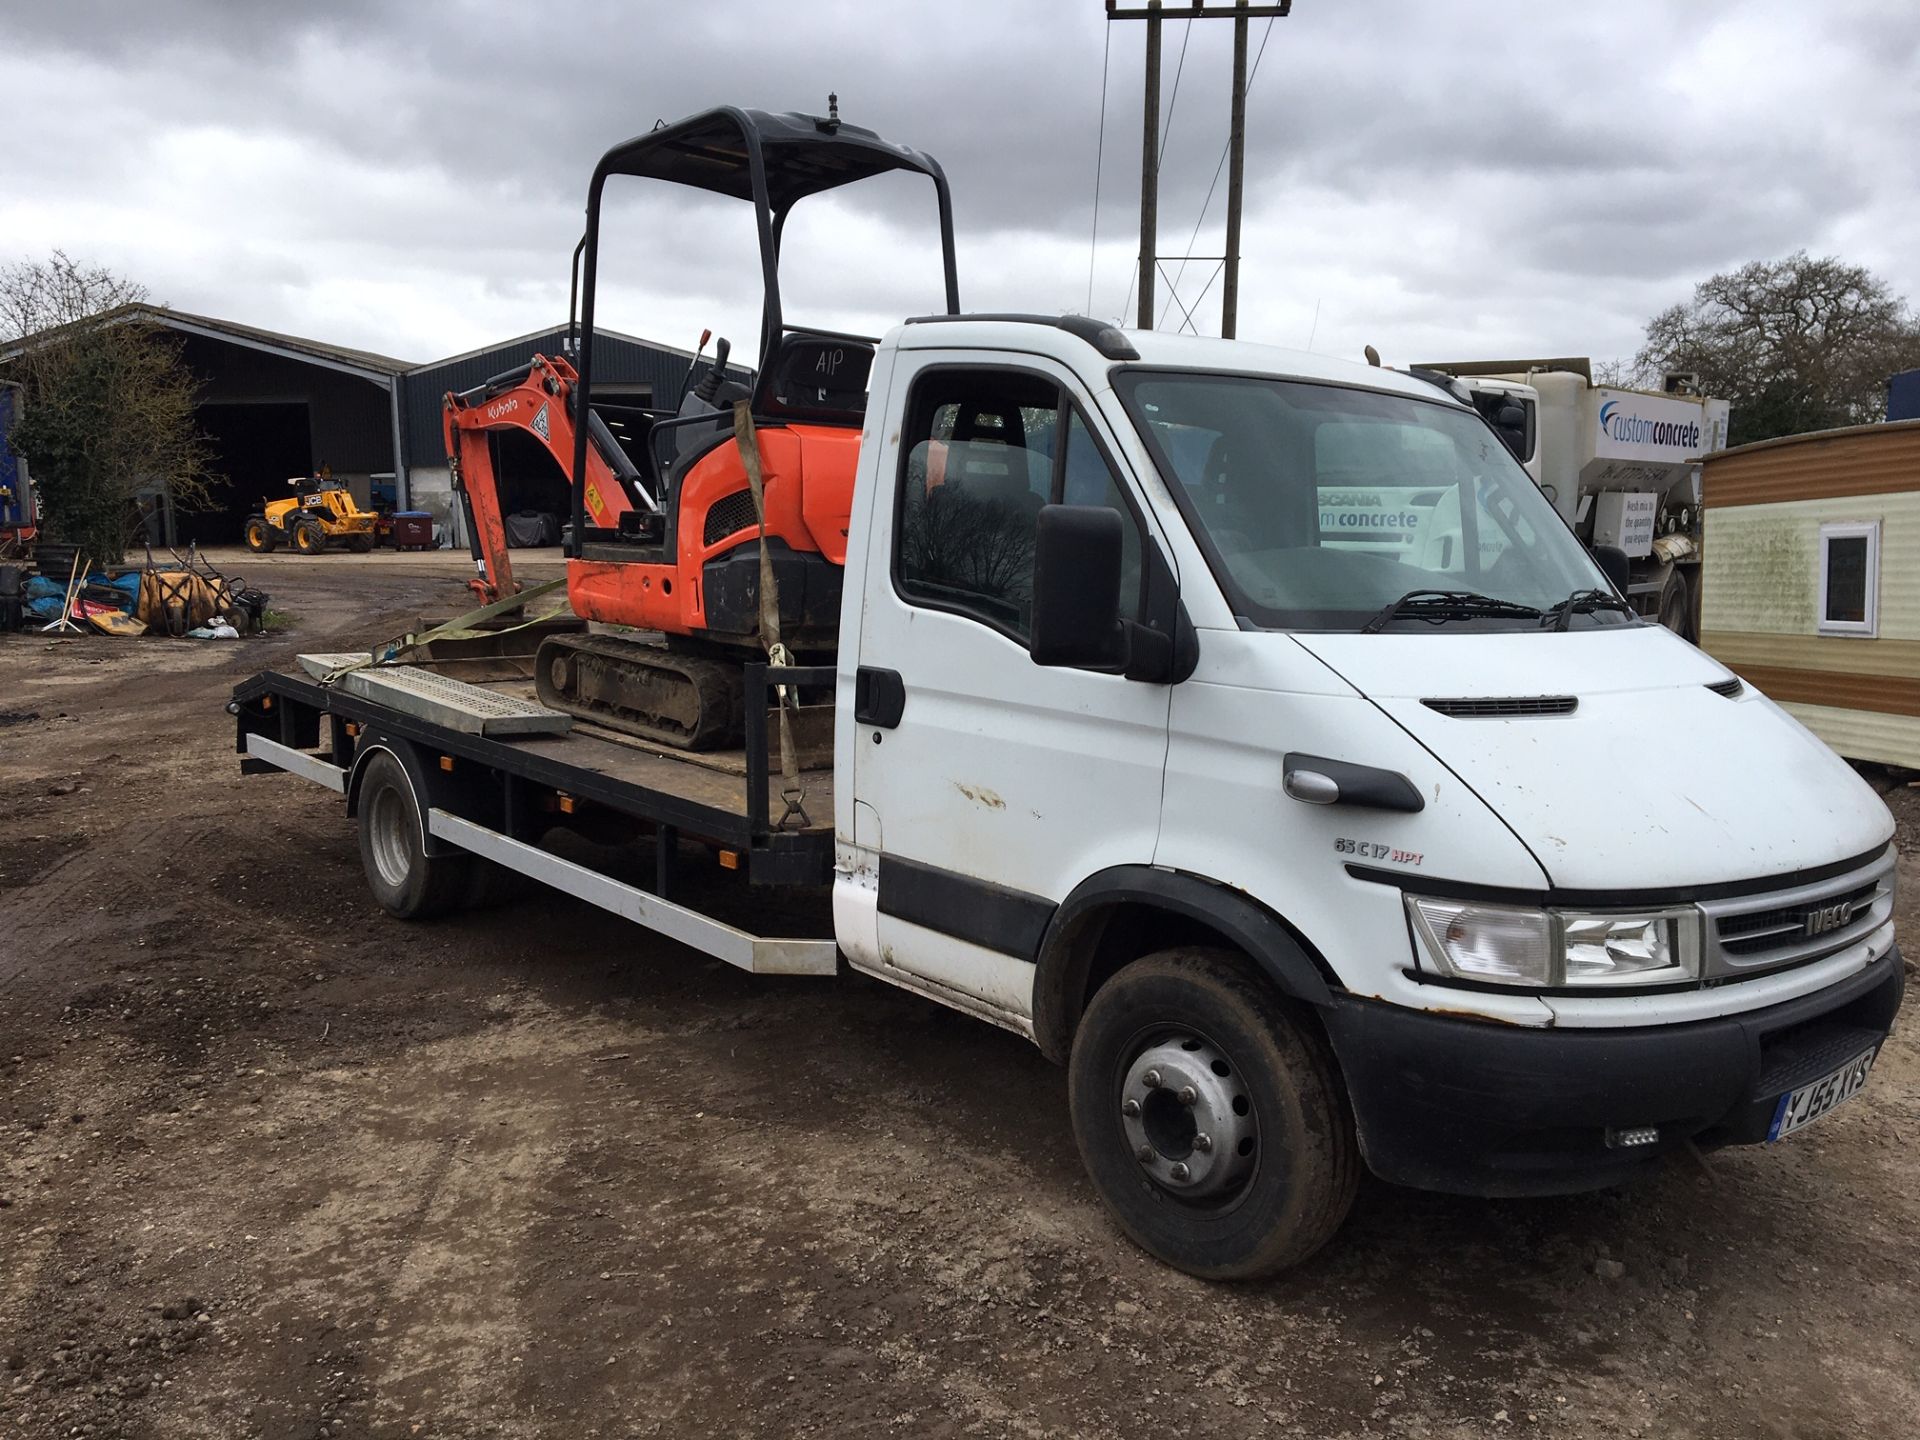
1622	466
1299	856
1304	849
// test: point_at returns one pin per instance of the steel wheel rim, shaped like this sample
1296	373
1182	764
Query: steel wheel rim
1192	1130
391	835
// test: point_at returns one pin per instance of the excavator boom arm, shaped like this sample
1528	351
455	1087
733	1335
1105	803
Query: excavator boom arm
540	401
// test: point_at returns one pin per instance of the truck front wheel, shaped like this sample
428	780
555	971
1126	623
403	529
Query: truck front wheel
1212	1123
409	883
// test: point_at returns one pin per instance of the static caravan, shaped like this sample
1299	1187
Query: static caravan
1811	581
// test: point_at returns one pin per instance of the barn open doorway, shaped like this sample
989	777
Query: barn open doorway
257	447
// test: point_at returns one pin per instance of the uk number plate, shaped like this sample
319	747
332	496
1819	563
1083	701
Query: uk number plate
1800	1108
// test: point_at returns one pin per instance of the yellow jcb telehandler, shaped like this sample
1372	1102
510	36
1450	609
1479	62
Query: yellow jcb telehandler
324	515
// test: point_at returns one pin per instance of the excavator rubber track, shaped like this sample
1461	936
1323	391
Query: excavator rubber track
643	688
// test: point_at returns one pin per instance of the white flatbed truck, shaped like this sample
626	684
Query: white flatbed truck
1303	858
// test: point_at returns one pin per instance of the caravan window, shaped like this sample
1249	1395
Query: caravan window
1850	578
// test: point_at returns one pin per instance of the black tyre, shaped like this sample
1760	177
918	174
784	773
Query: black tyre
308	537
408	883
260	536
1212	1124
1676	606
55	562
360	544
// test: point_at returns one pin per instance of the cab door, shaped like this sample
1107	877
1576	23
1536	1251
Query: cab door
986	786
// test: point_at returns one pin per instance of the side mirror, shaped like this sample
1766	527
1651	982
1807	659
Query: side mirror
1076	588
1614	564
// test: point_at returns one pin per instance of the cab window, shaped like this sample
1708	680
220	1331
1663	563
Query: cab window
983	451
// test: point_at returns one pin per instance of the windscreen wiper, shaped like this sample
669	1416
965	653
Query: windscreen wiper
1585	602
1437	607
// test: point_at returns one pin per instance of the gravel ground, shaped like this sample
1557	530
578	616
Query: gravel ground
273	1164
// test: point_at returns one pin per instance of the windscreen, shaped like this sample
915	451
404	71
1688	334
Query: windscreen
1319	505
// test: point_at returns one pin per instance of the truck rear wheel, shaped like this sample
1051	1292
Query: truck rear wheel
1676	606
409	883
259	535
308	537
1212	1124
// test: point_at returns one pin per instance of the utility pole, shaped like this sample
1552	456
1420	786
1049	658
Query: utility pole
1149	165
1155	14
1236	177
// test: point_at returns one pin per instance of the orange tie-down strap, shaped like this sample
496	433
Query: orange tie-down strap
792	789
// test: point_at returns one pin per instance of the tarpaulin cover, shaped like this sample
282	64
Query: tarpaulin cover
532	527
44	595
185	598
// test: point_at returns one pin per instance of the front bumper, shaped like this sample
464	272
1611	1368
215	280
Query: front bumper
1480	1108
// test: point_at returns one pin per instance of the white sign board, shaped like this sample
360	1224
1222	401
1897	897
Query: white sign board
1625	520
1664	429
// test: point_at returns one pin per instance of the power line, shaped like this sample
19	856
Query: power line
1099	156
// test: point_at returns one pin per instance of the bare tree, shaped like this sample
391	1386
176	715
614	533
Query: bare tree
109	406
1796	344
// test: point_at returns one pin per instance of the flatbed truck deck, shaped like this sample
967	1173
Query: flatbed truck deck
494	797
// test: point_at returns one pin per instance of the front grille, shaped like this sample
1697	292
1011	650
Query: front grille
1759	931
728	514
1506	707
1729	687
1807	922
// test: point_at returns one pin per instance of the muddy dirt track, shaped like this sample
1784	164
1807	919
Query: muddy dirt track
273	1164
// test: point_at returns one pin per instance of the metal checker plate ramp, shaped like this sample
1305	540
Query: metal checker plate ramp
321	666
469	709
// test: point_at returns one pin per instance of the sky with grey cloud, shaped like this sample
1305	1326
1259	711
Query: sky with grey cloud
1450	180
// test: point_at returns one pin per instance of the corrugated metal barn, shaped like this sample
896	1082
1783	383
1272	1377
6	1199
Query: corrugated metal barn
631	377
273	407
277	406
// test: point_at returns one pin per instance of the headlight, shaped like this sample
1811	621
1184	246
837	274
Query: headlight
1486	942
1510	945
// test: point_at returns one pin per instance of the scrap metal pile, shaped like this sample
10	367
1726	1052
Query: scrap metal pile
176	596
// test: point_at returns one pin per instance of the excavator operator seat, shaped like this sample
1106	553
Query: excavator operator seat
819	378
692	441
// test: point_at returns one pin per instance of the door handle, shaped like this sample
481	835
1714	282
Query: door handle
879	696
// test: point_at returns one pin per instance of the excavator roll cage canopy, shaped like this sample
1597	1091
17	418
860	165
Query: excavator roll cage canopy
773	161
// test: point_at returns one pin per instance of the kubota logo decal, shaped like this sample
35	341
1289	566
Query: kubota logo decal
1617	423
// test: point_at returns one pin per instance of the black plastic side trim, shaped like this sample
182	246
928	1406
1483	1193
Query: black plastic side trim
1363	785
977	911
1670	895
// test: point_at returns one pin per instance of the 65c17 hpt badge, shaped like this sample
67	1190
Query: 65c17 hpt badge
1373	850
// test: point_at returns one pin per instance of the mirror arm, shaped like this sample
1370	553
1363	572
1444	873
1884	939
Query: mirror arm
1156	658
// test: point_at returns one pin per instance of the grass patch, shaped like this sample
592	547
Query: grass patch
272	621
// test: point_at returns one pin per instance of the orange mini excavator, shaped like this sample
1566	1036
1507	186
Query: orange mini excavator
676	544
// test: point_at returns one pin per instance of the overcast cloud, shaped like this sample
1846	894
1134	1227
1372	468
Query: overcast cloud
1442	180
